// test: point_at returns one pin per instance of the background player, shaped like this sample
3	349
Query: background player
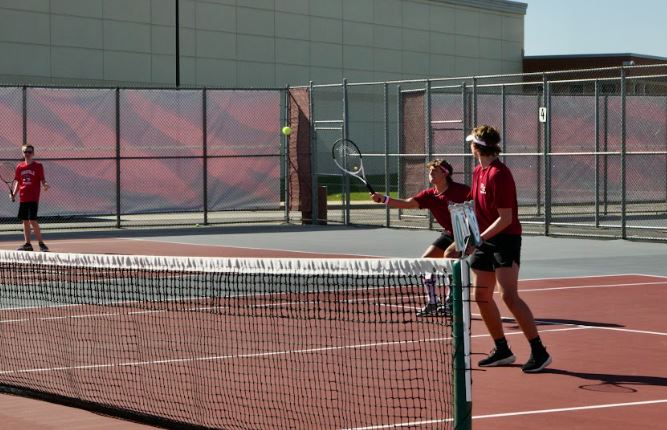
436	199
28	181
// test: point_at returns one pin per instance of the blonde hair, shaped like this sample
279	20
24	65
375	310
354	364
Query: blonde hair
490	136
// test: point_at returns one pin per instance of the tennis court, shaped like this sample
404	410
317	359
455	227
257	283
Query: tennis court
598	304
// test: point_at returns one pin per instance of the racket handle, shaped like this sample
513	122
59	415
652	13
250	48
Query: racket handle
370	188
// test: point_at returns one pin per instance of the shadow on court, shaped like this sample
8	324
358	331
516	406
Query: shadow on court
604	379
563	321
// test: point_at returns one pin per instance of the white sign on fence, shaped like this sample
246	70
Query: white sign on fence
543	114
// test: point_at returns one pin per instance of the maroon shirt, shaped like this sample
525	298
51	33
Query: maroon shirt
493	188
29	177
438	203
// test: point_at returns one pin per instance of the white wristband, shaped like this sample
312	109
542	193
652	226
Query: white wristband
386	200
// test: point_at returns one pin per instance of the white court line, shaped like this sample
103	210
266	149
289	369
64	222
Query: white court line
575	287
584	326
255	355
627	330
515	414
223	357
290	251
592	276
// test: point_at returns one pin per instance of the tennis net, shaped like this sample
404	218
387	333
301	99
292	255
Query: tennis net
228	343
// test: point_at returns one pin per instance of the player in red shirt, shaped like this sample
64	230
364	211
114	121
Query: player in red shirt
436	199
28	179
497	261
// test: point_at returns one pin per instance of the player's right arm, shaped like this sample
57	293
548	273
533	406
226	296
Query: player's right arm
14	189
395	203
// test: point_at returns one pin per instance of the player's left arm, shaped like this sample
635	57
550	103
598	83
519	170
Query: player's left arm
45	185
501	223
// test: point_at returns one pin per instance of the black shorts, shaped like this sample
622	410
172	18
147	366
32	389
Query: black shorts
28	211
444	240
500	251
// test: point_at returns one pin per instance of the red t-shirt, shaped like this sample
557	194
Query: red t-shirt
29	177
438	203
494	188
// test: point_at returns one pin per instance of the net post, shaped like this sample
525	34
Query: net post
462	368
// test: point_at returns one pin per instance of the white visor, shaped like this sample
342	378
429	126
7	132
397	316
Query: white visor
475	139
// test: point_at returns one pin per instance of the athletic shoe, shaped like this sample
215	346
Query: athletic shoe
25	247
497	358
537	362
445	309
43	247
430	310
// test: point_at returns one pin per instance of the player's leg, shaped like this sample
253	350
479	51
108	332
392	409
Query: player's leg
23	216
483	280
484	283
34	223
38	235
507	260
508	281
435	250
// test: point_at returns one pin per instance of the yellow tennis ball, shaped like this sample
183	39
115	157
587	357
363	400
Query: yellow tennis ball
287	130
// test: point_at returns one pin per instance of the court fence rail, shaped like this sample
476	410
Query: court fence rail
588	150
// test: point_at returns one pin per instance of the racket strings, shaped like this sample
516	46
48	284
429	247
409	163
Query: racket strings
348	157
7	170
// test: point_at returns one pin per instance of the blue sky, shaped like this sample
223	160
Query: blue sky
555	27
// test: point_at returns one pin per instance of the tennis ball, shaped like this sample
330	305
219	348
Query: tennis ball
287	130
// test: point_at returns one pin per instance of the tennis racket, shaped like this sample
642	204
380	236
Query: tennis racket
469	210
464	223
7	171
348	158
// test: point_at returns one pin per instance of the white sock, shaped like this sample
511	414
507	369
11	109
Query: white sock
429	286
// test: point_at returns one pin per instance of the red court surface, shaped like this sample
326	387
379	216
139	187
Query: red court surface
608	339
607	335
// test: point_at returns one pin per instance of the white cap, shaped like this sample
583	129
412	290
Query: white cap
475	139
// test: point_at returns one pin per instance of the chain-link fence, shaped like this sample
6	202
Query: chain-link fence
588	148
120	157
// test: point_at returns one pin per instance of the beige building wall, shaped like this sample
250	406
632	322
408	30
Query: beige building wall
256	43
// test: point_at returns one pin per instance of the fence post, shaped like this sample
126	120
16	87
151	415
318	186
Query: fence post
428	125
623	157
503	122
474	101
285	140
597	156
385	95
540	138
547	160
605	160
346	178
24	96
470	161
205	155
313	158
399	140
465	107
118	208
